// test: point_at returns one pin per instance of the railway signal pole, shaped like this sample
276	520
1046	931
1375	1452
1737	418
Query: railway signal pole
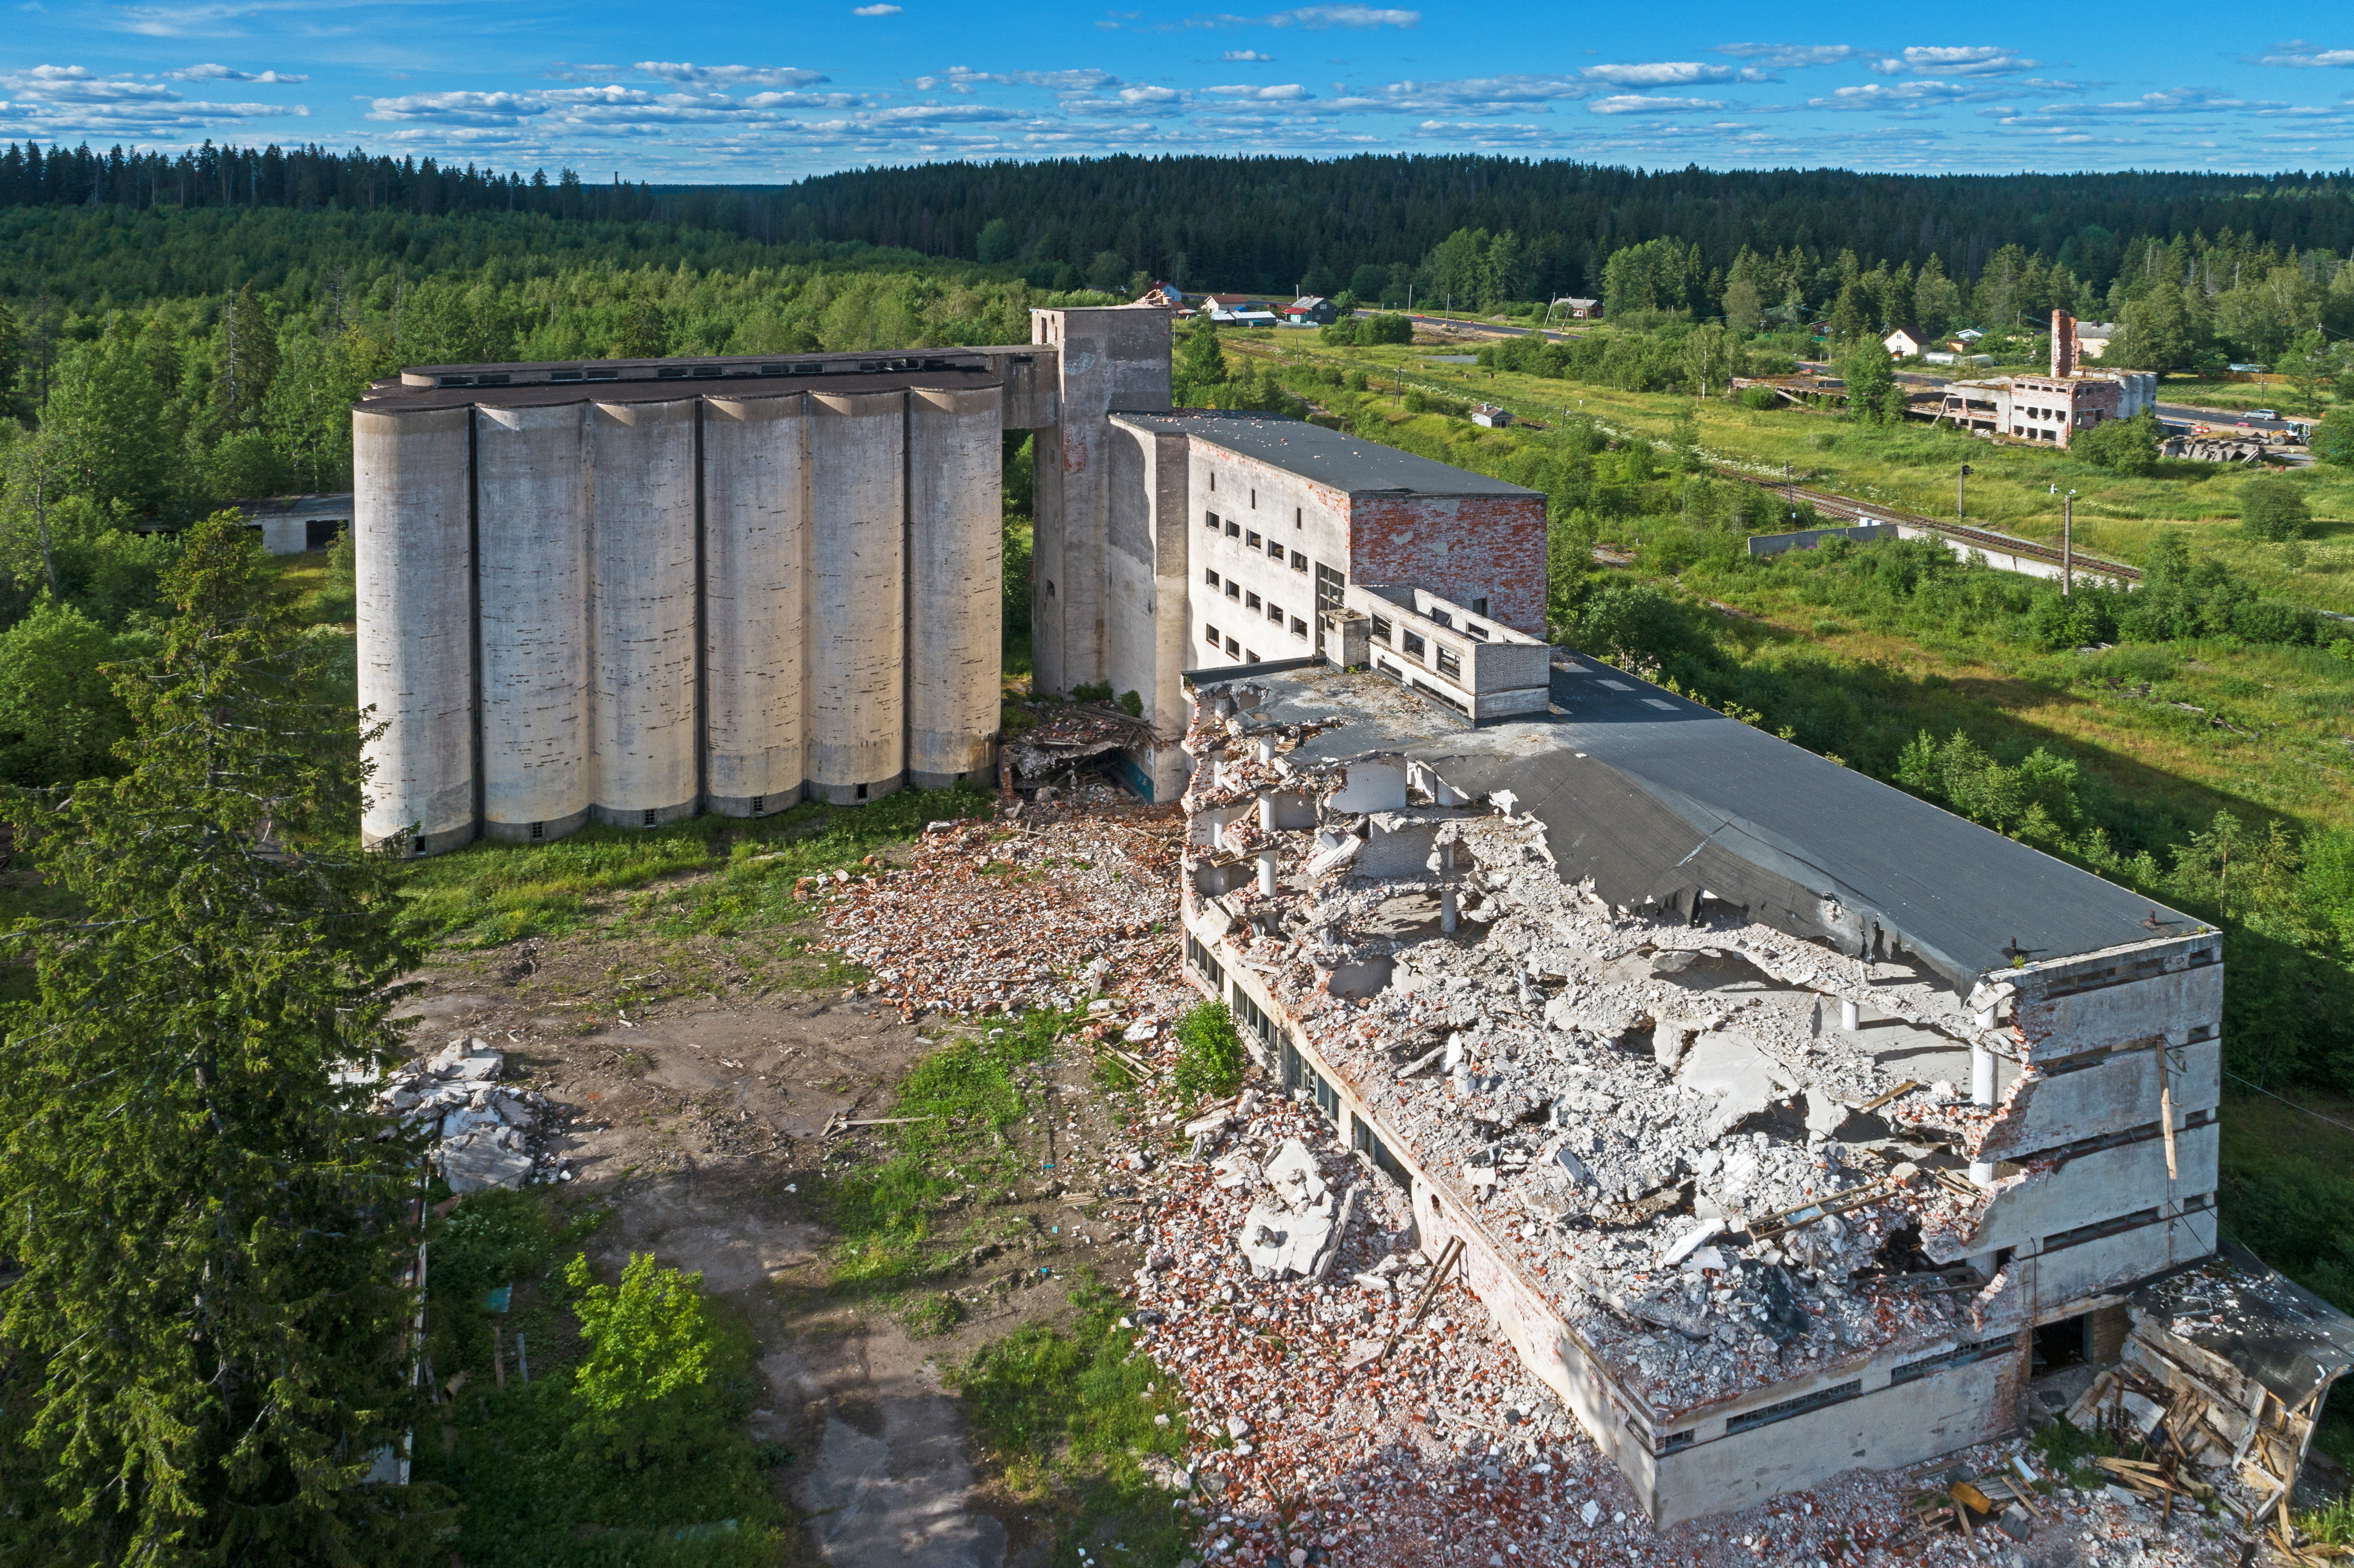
1961	493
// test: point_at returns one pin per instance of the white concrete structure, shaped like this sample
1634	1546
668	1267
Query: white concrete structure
629	600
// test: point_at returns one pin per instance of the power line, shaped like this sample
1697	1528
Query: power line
2284	1100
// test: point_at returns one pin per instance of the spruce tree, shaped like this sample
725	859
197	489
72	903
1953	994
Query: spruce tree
202	1352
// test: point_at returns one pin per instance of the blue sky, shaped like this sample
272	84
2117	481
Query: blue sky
771	92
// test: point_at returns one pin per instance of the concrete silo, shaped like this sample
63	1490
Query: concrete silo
955	582
413	541
530	483
639	461
754	546
857	594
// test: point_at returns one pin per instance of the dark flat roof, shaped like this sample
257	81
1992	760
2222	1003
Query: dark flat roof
399	399
1658	797
1322	456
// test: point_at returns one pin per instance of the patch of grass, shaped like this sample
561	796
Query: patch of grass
1211	1059
2067	1451
705	875
966	1091
1067	1419
932	1313
2330	1526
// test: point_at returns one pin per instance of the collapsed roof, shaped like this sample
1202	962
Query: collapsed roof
1663	803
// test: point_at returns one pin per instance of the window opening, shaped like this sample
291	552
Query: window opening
1448	664
538	830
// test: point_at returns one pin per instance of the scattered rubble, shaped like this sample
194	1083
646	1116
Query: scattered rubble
488	1134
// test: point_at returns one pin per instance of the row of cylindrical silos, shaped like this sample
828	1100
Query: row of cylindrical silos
626	611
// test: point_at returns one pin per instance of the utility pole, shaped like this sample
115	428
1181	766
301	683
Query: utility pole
2068	544
1961	493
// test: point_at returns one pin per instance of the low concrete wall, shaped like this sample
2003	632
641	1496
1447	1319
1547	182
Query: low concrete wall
1808	538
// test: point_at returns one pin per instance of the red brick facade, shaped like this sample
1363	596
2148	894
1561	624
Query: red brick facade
1461	547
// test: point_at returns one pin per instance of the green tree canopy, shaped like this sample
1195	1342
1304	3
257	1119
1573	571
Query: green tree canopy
202	1356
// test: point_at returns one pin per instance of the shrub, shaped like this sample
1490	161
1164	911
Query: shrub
2121	446
1761	399
2273	508
1211	1059
2333	438
650	1340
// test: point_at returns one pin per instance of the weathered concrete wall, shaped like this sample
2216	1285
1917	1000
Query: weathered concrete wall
2055	1283
2086	1191
857	584
1481	546
413	543
2117	1092
1113	357
1886	1426
755	544
2162	989
1144	633
530	487
1272	529
956	585
640	473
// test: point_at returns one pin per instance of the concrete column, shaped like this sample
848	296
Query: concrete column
1851	1015
1106	358
1267	813
412	536
1447	909
956	583
1981	1075
530	473
857	595
1267	872
755	548
642	611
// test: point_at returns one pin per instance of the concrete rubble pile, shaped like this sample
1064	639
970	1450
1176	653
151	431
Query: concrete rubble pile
977	924
488	1134
1303	1442
1068	733
1669	1123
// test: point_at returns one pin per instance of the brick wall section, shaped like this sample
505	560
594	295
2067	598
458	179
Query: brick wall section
1459	547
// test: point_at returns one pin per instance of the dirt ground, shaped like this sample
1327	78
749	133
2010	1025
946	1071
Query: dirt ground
701	1121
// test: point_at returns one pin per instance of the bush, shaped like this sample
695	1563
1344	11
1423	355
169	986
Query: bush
1761	399
2121	446
651	1343
2333	438
1211	1059
1428	403
2273	509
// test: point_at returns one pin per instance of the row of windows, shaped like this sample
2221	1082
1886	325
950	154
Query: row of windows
1233	649
1448	663
1254	542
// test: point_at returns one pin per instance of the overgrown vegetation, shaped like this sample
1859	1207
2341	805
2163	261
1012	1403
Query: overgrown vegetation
1211	1058
958	1100
625	1446
701	876
1068	1417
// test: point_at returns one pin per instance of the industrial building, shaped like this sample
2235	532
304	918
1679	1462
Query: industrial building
2050	408
631	590
1790	1124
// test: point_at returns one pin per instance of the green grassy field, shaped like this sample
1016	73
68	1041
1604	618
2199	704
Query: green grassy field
1915	468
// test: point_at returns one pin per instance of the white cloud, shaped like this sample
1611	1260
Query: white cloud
1902	95
1642	103
1239	56
1791	57
962	78
223	73
1983	59
2174	100
1290	92
1658	73
1483	92
71	102
877	10
2296	52
729	76
1314	18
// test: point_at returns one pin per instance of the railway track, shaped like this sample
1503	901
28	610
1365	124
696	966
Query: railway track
1839	506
